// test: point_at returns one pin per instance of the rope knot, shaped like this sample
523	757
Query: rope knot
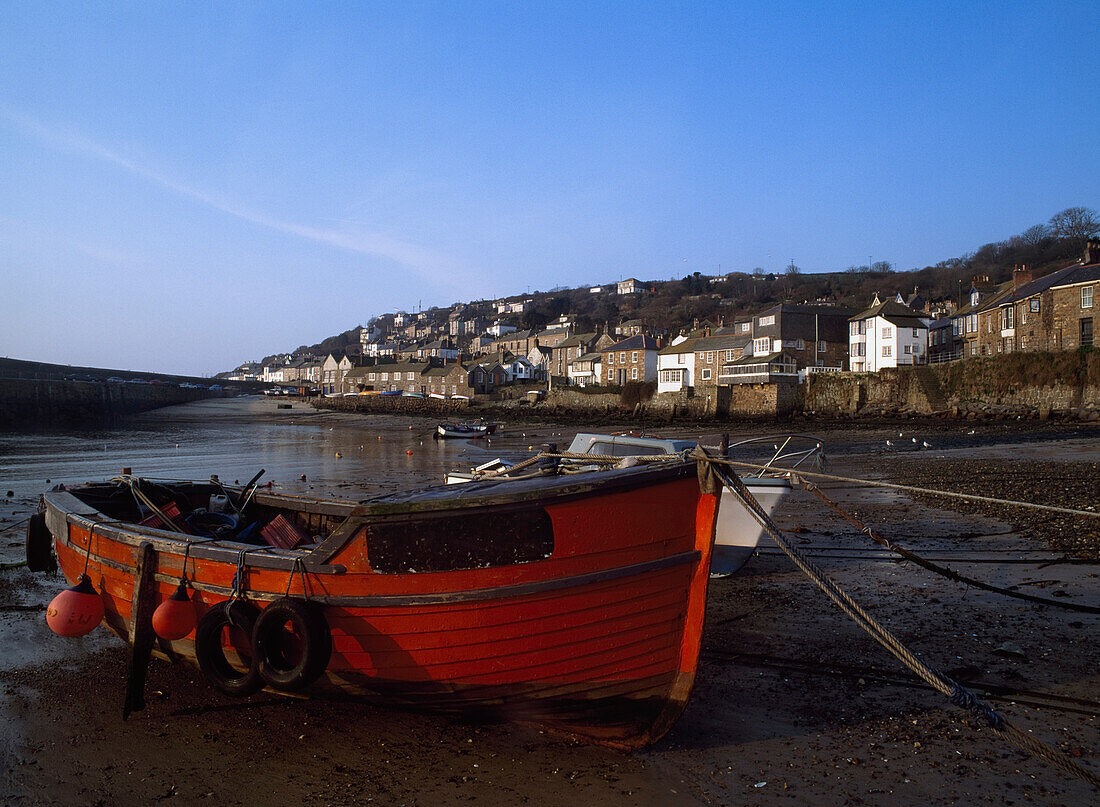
964	698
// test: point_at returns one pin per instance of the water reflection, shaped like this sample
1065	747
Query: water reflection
342	456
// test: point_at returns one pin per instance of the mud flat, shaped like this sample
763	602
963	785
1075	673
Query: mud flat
793	704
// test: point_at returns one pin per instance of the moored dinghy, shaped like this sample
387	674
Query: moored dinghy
456	430
573	602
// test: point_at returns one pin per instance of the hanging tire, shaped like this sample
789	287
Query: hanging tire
210	652
293	644
39	545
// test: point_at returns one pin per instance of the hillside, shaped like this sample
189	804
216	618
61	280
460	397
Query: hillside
675	304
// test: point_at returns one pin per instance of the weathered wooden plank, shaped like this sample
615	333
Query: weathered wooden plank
142	636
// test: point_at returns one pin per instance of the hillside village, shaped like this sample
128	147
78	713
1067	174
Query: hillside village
608	337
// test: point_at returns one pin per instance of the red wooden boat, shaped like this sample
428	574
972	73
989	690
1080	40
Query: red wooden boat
572	602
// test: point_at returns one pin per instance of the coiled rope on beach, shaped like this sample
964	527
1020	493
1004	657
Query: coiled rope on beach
713	474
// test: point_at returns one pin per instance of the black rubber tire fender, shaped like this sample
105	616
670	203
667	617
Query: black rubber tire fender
39	545
210	654
306	619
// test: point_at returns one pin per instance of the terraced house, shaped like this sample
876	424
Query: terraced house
1053	312
888	334
632	359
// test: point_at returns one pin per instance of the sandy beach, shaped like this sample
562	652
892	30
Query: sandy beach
793	703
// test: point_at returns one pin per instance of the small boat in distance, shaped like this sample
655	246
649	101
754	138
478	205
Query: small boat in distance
573	601
457	430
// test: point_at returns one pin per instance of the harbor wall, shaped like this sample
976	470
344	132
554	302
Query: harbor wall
37	394
392	405
29	403
1065	384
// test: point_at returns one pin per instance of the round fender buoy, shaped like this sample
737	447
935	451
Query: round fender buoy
39	545
229	622
293	644
175	617
75	611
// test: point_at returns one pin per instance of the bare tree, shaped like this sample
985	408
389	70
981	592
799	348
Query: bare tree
1033	236
882	266
1075	224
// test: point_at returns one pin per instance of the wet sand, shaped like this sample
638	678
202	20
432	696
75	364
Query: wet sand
793	704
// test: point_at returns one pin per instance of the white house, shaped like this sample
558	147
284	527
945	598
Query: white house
585	370
676	365
498	329
630	286
887	335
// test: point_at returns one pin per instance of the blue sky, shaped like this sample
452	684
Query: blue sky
187	186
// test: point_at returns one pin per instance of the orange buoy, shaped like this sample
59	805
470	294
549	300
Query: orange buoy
175	617
410	451
75	611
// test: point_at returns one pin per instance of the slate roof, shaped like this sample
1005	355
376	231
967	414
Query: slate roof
576	340
723	342
636	342
1036	286
1082	274
892	311
687	346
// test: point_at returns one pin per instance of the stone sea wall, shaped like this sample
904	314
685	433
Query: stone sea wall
1040	385
26	403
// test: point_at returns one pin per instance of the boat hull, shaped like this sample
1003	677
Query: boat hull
585	618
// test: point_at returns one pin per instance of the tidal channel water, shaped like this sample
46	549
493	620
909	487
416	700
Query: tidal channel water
342	456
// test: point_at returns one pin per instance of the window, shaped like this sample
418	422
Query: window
1086	296
372	375
633	373
916	332
908	349
821	347
633	355
1008	316
887	350
768	320
761	346
706	374
610	374
610	358
887	332
409	376
622	357
745	327
385	376
709	357
681	358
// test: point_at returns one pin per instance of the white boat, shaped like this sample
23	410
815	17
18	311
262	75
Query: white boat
737	532
466	430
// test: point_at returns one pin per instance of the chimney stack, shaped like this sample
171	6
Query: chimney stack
1092	251
1021	276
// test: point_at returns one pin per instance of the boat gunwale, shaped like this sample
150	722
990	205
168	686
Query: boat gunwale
74	511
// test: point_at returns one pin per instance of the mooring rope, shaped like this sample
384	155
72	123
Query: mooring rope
913	489
931	566
958	694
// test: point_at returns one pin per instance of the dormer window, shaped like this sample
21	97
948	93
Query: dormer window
975	297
